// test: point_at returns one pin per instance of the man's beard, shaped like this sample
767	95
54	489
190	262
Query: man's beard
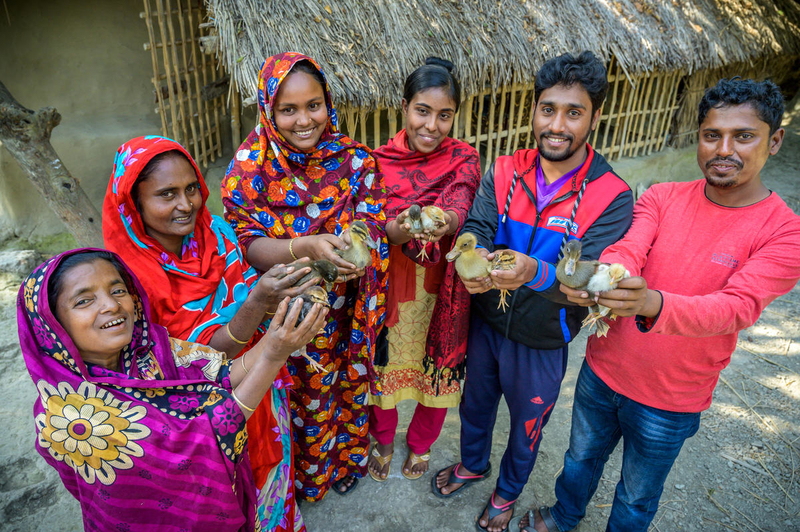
557	157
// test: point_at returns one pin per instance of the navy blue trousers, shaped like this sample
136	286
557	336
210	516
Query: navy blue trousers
530	380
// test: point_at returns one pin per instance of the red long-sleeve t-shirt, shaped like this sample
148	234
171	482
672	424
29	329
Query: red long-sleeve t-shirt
716	268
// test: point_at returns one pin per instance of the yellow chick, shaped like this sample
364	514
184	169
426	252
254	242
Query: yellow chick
606	278
471	264
360	243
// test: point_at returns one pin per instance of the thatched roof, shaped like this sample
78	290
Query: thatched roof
368	47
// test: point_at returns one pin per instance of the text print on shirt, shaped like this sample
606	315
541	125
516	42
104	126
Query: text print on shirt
559	221
726	260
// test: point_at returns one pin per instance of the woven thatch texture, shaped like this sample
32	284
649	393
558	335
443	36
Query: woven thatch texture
368	47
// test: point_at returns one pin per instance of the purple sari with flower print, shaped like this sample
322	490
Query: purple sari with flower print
160	445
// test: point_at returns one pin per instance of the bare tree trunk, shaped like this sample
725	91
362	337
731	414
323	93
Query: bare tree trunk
26	135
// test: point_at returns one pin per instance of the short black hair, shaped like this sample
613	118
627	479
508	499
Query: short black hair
436	72
566	69
764	96
56	283
148	169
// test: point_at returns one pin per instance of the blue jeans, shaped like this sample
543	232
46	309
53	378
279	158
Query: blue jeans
652	439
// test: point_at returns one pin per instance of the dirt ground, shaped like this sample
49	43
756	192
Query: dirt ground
740	472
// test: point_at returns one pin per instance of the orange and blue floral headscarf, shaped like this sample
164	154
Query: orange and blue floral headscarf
273	189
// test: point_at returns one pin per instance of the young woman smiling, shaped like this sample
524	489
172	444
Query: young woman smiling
294	187
201	288
420	354
131	418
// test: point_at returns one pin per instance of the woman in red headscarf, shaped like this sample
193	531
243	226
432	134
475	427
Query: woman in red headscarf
421	351
202	290
294	188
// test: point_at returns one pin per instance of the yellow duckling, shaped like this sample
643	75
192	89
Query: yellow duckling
471	264
360	243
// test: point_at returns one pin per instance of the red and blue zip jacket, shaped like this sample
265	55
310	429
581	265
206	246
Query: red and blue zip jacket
504	215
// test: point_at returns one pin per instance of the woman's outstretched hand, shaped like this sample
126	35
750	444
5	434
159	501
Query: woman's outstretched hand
322	247
278	283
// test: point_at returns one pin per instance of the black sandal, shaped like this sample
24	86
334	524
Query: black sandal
493	511
547	519
339	483
455	478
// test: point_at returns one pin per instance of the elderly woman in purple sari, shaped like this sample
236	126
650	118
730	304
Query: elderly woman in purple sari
146	431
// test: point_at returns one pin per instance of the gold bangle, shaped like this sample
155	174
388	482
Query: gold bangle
233	394
268	313
243	366
291	252
232	337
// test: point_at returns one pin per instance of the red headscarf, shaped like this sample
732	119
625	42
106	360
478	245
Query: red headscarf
192	294
447	178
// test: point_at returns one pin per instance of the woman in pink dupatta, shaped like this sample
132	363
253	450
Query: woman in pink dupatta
146	431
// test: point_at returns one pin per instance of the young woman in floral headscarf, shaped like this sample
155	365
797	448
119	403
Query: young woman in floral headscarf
293	189
202	290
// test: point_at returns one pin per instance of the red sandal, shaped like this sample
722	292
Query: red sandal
455	478
493	511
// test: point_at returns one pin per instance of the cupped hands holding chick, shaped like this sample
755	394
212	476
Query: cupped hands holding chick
426	224
349	253
613	289
481	271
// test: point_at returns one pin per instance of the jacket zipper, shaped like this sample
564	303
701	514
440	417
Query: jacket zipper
528	252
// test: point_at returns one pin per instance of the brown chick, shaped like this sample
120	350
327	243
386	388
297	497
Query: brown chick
503	260
314	294
321	270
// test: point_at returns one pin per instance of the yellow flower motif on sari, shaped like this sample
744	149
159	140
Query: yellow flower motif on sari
238	445
154	392
90	430
213	397
29	293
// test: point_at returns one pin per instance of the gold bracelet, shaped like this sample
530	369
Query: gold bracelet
291	252
233	394
228	330
268	313
243	366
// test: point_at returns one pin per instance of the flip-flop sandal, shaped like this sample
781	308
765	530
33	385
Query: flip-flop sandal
339	483
383	461
494	511
415	459
455	478
547	519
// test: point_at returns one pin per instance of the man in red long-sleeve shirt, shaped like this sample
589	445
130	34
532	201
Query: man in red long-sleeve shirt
705	258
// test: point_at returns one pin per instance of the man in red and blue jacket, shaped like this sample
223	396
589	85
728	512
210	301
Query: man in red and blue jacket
531	203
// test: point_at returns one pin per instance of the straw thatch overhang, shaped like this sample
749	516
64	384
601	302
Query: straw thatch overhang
369	47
